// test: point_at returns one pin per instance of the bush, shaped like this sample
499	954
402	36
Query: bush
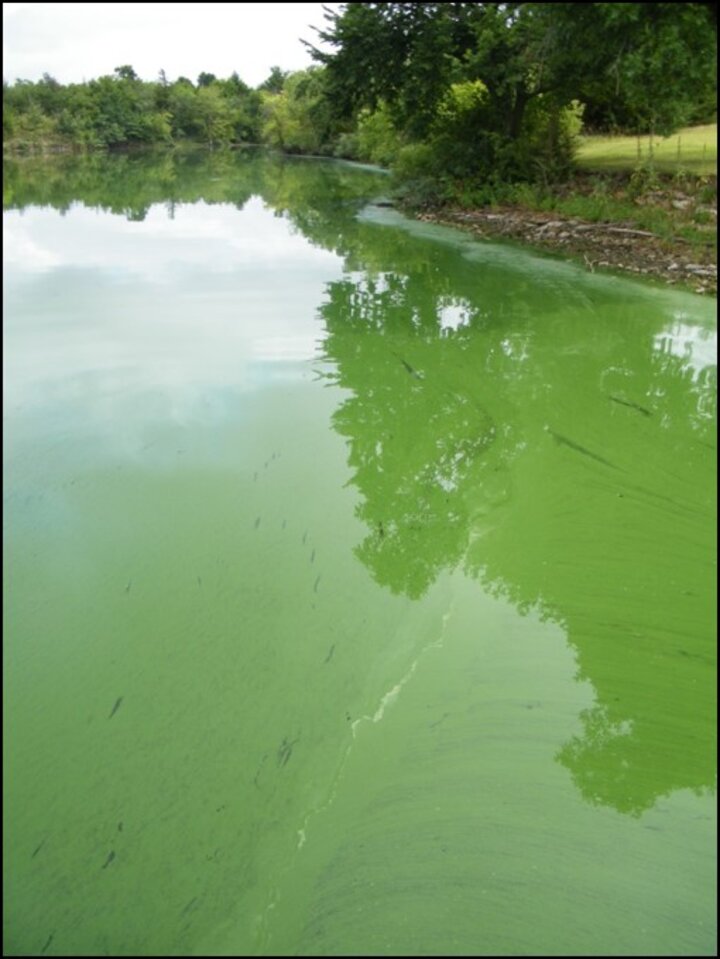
377	139
643	179
346	146
468	160
549	139
417	177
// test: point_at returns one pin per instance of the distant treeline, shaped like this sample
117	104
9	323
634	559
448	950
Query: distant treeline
122	109
449	94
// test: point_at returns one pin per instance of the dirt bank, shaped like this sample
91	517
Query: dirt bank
616	246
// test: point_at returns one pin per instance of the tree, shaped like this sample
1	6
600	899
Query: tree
275	82
643	66
215	121
428	62
398	53
236	84
298	118
126	72
533	59
245	107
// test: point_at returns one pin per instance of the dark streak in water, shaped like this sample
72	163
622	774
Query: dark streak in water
696	656
50	939
37	850
438	721
189	906
109	859
679	507
632	406
120	827
259	770
312	556
315	587
329	655
257	522
304	537
571	444
285	751
410	370
116	707
129	584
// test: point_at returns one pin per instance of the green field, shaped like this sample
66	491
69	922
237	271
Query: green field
692	148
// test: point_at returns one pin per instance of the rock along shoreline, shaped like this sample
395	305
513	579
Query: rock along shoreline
600	246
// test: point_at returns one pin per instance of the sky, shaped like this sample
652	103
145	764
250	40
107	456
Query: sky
80	41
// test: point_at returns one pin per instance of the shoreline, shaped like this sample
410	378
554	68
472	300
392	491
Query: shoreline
613	245
599	246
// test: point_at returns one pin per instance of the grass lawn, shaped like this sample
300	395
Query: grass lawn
693	149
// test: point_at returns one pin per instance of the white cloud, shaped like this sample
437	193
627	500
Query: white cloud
693	344
77	41
200	237
193	305
20	249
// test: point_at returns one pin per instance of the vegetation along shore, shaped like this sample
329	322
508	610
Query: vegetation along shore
584	129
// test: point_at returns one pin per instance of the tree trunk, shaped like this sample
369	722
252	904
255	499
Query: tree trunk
517	111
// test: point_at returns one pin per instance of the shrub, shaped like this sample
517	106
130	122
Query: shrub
377	139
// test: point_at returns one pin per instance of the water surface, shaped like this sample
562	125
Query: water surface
359	578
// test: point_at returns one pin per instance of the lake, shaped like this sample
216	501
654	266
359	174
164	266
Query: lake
359	577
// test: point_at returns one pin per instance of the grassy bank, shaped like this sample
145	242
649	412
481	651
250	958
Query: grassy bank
693	149
617	211
674	208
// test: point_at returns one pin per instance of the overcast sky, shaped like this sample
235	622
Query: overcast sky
80	41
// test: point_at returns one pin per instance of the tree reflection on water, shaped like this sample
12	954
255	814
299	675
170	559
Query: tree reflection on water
550	436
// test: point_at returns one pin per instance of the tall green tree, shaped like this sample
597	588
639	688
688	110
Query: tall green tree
652	60
643	66
299	118
275	81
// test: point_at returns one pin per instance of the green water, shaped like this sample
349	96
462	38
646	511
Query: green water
359	578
